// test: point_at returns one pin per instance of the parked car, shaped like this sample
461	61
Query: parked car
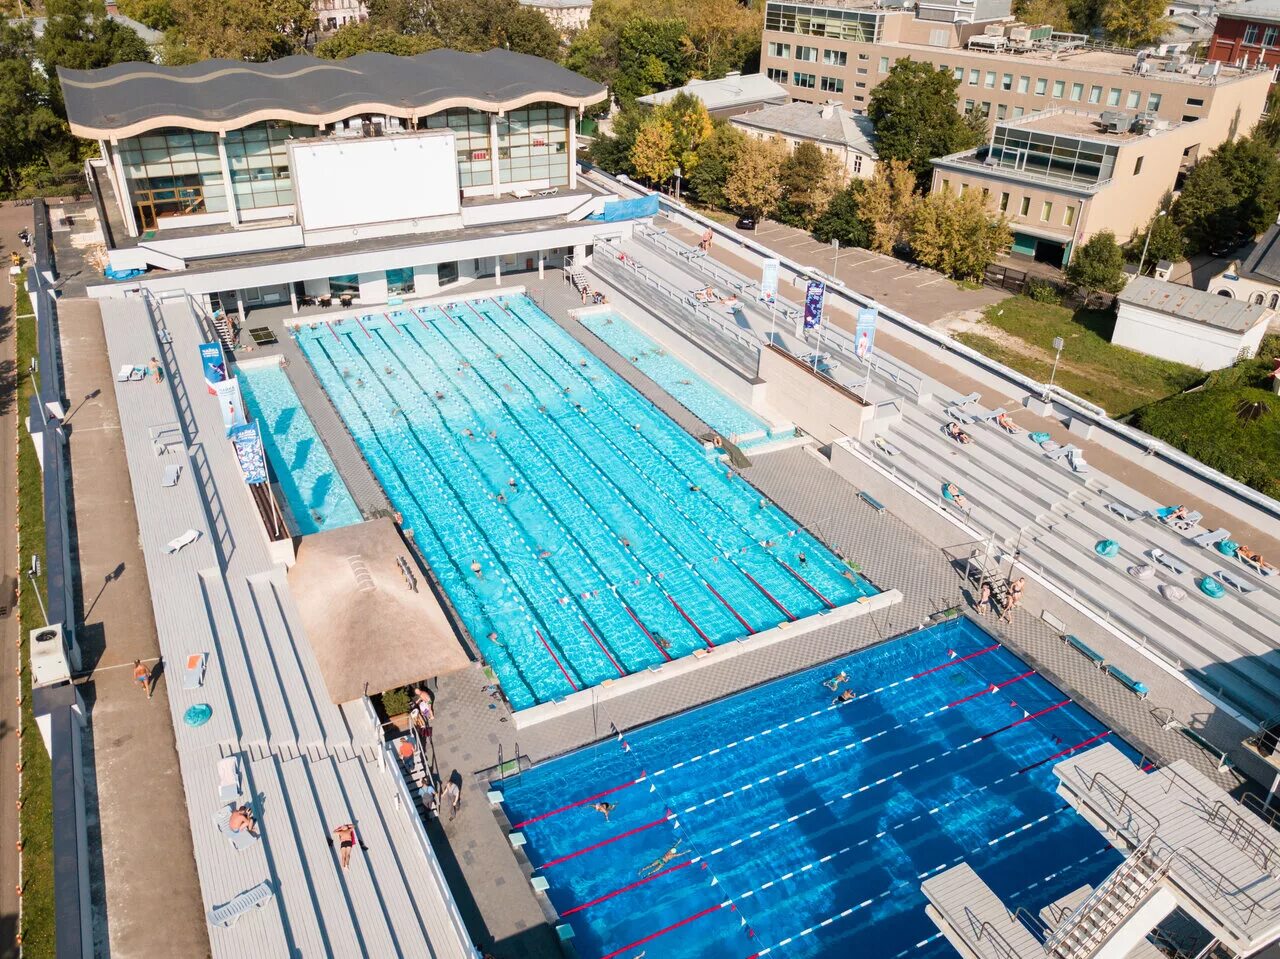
746	222
1228	245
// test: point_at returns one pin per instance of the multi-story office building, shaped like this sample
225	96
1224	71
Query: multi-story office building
370	178
843	48
1061	175
334	14
1247	32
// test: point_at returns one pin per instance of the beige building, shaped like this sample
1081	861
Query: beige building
1256	277
567	16
1062	175
1005	69
829	126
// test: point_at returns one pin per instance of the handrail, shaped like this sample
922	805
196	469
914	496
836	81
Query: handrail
984	929
1126	804
1249	836
1140	856
1260	807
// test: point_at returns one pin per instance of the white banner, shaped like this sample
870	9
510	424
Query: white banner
230	403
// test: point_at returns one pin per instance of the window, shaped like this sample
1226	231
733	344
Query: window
1189	118
778	76
833	85
835	58
884	64
1024	84
1018	111
1095	94
806	80
447	272
1258	299
1046	211
1194	102
533	144
974	73
986	108
258	156
1006	82
1269	36
1135	97
1113	97
1059	87
1137	166
1077	91
986	194
862	71
1025	208
964	188
1153	102
172	172
807	54
1251	33
470	130
1004	202
1069	216
1042	85
1002	110
779	49
857	163
1274	301
400	281
958	74
968	106
860	86
863	56
347	283
946	185
991	80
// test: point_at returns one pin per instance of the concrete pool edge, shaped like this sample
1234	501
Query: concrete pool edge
615	688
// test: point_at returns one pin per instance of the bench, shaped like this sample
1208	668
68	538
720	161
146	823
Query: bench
227	914
1127	681
1085	650
1126	513
871	501
1223	762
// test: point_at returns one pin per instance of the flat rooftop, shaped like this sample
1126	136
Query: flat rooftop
1084	123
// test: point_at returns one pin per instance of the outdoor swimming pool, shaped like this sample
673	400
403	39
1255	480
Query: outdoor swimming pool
580	534
805	828
717	410
316	496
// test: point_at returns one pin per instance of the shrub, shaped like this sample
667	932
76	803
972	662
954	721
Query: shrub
1043	291
396	701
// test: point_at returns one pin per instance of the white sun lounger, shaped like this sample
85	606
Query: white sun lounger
1161	558
193	674
1241	586
1127	513
1262	569
129	372
1075	459
229	779
955	413
241	839
990	416
1061	451
171	474
966	400
885	446
229	912
1208	539
186	539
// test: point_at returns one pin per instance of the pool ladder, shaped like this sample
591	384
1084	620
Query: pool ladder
502	765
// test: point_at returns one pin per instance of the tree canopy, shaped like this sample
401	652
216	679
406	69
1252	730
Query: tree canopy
1098	266
253	30
471	25
754	185
915	116
716	158
843	219
353	38
1234	190
955	235
887	204
1134	23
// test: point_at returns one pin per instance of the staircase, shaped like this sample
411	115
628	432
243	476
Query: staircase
1111	904
222	326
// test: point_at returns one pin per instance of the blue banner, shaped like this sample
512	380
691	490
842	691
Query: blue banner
248	444
769	280
618	210
813	298
215	365
864	333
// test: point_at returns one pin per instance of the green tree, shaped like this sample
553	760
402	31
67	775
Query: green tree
470	25
915	117
652	55
1236	189
809	178
955	235
612	152
1205	210
1166	239
690	127
887	205
1098	266
1134	23
754	184
254	30
1056	13
36	147
1086	15
716	157
721	33
843	219
80	36
353	38
156	14
653	155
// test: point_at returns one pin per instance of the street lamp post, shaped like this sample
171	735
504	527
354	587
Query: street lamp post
835	258
1143	259
1058	344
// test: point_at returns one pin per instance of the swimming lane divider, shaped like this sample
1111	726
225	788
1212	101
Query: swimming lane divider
361	325
706	639
602	649
547	647
725	602
387	317
993	688
581	802
329	326
662	932
604	842
813	589
773	599
1069	749
958	659
627	888
636	618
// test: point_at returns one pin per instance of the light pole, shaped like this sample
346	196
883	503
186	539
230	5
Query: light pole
1147	242
835	257
1058	344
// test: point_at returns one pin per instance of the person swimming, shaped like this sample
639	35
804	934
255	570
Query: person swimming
834	682
671	854
846	696
604	808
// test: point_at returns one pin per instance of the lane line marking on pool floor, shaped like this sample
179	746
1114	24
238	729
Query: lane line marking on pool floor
581	802
627	888
662	932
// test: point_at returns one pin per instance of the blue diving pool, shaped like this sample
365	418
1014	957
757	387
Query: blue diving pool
316	496
723	414
804	828
580	534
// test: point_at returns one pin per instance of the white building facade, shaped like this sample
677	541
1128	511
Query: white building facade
1186	325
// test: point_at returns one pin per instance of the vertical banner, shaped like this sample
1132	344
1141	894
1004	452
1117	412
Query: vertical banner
248	445
230	403
769	281
865	332
813	298
215	365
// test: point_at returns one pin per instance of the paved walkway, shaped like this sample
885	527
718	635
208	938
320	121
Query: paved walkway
141	821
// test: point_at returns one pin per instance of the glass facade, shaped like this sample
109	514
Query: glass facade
400	282
1066	159
258	156
859	25
471	138
173	172
533	144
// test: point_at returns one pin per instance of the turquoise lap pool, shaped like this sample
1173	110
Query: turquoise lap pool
580	534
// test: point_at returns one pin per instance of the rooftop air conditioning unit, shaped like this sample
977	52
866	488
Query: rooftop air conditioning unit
993	30
50	664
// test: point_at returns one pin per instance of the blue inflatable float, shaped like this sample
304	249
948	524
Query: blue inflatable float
1107	547
1227	547
1211	588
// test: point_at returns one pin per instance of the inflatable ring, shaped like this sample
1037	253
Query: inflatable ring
197	715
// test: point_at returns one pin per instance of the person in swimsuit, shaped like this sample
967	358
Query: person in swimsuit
242	820
346	839
846	696
834	682
671	854
142	676
984	599
604	808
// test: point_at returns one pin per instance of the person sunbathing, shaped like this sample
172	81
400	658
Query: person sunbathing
957	434
1254	560
1006	424
956	495
1179	512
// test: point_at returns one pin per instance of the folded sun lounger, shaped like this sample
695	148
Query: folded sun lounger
186	539
1075	459
1208	539
1124	512
955	413
229	779
171	474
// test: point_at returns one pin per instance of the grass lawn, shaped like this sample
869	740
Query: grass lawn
1019	332
36	818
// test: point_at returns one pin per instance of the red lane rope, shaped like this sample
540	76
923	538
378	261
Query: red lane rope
1069	749
786	612
330	326
602	649
557	659
643	630
580	802
387	317
604	842
991	689
705	638
1024	719
626	888
959	659
662	932
361	325
813	589
420	320
745	624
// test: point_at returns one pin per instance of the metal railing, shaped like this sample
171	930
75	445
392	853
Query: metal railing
1244	835
1117	895
983	929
